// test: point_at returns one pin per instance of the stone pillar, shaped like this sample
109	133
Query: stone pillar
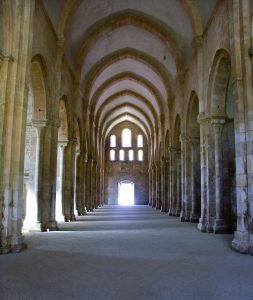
12	155
68	202
178	184
76	185
219	225
60	200
172	152
153	186
166	185
88	184
195	158
202	119
164	207
150	186
185	178
158	186
40	126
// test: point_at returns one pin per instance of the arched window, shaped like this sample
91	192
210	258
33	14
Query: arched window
113	141
121	155
140	141
140	155
126	138
131	155
112	155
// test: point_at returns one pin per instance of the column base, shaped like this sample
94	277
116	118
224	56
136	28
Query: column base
170	212
220	227
182	217
177	213
164	209
53	226
194	218
209	227
15	244
37	227
241	242
202	225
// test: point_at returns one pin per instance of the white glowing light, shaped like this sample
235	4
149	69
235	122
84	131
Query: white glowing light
126	193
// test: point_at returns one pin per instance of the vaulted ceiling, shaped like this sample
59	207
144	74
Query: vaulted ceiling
127	54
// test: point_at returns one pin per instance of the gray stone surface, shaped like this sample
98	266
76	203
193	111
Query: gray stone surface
130	253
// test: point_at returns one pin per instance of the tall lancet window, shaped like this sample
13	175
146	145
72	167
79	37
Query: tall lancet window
126	138
139	141
112	155
121	155
131	155
113	141
140	155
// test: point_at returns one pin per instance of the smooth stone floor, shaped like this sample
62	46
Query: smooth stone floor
126	253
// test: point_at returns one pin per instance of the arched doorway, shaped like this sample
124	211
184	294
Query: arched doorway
222	121
36	123
63	133
126	193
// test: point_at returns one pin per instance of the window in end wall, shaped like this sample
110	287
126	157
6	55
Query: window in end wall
140	155
121	155
113	141
139	141
126	138
131	155
112	155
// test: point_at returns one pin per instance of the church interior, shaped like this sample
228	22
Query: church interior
126	149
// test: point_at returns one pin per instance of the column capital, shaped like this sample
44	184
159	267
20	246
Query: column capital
40	123
62	144
184	138
218	120
203	118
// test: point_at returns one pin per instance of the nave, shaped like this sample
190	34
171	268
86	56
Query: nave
126	253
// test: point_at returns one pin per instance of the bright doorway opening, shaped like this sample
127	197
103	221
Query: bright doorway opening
126	193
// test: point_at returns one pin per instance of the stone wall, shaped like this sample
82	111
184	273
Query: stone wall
117	171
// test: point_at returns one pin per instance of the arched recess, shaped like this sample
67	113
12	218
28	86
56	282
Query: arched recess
221	107
63	139
193	128
36	123
175	208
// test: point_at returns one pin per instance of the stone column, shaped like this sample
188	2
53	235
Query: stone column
60	201
165	185
153	186
40	126
178	184
158	186
203	121
164	177
185	178
219	224
88	184
76	185
150	186
68	206
195	158
172	152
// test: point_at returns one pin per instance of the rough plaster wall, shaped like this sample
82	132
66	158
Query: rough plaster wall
44	40
216	37
116	171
